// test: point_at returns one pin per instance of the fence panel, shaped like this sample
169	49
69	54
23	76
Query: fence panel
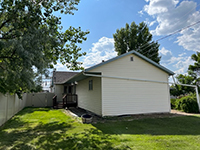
11	104
39	100
3	106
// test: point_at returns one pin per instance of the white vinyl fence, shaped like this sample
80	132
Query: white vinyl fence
39	100
11	104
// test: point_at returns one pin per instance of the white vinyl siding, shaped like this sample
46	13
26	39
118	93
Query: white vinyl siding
89	99
133	97
59	89
139	69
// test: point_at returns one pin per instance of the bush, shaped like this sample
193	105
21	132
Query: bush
187	104
173	103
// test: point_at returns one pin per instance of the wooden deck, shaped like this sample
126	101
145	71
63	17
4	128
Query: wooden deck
70	100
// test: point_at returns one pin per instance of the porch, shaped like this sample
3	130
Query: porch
68	100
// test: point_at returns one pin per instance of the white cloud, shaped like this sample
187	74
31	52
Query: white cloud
152	23
180	55
172	16
167	57
180	63
101	50
183	64
140	12
159	6
60	67
169	15
190	39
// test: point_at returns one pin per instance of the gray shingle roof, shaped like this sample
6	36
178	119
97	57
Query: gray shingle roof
61	76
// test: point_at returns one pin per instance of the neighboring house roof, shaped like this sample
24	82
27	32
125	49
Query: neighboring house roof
61	76
80	76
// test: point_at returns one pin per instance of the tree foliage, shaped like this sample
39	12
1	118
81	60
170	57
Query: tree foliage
177	90
32	40
194	70
138	38
192	78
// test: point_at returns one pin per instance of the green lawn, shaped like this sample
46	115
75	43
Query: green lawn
43	128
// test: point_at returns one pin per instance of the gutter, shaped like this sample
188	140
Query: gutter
142	80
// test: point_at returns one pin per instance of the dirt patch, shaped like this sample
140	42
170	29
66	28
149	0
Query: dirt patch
176	112
77	112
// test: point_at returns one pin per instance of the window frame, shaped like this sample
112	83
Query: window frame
90	85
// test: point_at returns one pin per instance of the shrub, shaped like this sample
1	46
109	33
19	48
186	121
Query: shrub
187	104
173	103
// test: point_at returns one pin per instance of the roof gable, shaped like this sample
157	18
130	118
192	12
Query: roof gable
61	76
137	54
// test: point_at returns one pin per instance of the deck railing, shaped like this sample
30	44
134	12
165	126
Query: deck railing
70	100
55	103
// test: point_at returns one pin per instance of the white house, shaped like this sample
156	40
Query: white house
127	84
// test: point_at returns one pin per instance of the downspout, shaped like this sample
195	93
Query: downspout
197	95
162	82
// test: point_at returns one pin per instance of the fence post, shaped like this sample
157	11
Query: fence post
6	108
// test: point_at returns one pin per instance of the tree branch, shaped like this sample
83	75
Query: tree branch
8	57
2	25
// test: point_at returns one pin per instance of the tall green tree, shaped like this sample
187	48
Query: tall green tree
138	38
194	70
32	40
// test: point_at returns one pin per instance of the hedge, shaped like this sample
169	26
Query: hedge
187	104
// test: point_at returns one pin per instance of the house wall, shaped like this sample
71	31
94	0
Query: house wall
59	90
89	99
121	97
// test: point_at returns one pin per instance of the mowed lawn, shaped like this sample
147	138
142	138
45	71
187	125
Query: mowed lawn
44	128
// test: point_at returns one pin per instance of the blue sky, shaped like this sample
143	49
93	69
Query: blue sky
103	17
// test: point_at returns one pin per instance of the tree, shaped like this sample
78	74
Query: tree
194	70
192	78
138	38
177	90
31	41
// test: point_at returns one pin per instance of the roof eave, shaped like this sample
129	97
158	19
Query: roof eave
136	53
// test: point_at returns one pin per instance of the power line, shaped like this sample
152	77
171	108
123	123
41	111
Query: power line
151	43
178	31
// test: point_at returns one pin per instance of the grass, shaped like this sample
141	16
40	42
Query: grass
43	128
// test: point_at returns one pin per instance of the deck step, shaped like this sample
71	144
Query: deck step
59	105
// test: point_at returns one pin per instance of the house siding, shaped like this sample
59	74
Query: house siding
59	90
121	96
90	99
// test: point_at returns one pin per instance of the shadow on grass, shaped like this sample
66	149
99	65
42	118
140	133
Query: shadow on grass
17	134
85	140
54	136
20	135
185	125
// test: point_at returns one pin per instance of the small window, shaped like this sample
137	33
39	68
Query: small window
90	85
131	58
